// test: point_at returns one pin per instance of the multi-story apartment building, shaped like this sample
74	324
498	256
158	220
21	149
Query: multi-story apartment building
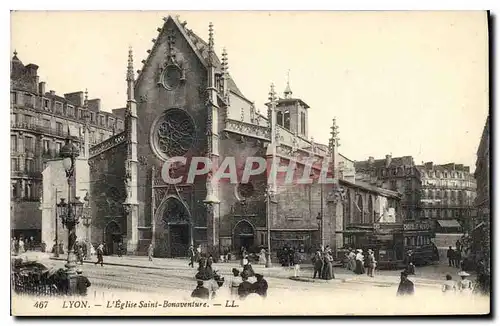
40	123
398	174
480	230
448	193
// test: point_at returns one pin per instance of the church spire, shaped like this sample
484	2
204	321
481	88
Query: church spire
130	66
288	90
334	136
210	43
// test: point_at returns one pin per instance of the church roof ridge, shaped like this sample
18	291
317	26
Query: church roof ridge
191	38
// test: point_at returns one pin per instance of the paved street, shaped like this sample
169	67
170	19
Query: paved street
137	273
173	278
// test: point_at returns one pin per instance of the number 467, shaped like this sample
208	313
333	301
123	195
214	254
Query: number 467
41	304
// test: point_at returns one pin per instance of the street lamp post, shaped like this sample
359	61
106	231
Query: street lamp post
56	246
270	194
70	212
210	202
87	221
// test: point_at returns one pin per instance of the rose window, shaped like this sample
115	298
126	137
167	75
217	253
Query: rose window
174	134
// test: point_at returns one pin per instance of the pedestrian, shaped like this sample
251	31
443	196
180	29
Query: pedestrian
32	244
371	263
351	260
191	256
198	252
410	267
327	272
449	285
406	286
150	252
247	268
245	288
318	264
92	250
260	287
208	267
82	283
120	248
449	254
262	257
200	291
297	259
80	254
360	267
458	257
100	253
464	285
234	283
21	246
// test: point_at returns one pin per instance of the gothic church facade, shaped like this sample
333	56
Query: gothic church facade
183	102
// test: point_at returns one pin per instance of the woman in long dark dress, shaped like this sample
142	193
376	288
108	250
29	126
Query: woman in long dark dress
248	269
327	272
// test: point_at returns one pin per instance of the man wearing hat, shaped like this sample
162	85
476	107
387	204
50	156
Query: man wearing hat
200	292
406	286
82	283
371	262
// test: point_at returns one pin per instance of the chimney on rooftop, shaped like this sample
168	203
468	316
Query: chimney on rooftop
371	160
388	159
52	92
41	88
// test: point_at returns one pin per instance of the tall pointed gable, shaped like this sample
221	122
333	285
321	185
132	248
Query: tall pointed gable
197	44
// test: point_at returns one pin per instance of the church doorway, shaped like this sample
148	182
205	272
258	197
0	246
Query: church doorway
173	232
243	236
112	236
179	239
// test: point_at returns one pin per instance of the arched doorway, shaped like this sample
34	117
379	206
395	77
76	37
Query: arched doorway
173	232
243	235
112	236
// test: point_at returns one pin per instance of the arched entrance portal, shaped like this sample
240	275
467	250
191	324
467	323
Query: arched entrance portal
173	234
112	236
243	235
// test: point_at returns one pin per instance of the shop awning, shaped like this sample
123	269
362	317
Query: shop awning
449	223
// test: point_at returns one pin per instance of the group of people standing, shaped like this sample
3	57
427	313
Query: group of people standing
239	285
359	263
21	245
323	264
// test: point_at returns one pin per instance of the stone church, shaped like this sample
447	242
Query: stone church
183	102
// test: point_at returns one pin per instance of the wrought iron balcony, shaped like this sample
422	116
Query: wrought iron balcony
32	127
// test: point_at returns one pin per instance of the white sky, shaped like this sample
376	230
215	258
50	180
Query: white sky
406	83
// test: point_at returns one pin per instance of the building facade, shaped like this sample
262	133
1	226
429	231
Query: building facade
184	103
480	230
398	174
40	123
448	194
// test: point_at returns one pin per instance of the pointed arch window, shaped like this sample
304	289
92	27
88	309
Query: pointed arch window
286	120
279	118
302	123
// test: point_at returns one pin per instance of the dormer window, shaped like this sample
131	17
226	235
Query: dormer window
71	111
58	108
46	104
